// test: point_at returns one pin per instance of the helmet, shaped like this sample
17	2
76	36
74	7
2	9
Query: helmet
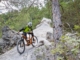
30	24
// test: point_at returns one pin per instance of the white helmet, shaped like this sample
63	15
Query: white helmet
30	24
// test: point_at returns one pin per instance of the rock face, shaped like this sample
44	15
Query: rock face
9	36
43	29
1	46
9	39
43	53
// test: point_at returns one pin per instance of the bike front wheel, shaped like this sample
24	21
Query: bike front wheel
34	41
20	46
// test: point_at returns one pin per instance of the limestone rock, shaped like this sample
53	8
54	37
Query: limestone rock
9	36
49	36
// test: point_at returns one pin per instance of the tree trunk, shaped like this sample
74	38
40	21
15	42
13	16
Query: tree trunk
57	25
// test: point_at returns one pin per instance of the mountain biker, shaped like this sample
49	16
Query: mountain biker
27	30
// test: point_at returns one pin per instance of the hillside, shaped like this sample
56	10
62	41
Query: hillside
40	32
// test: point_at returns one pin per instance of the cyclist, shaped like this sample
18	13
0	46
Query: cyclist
27	30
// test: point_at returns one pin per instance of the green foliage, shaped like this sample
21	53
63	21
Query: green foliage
68	46
70	14
16	20
69	10
59	58
77	28
47	11
58	50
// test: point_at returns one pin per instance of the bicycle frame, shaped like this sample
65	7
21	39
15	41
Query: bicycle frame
28	38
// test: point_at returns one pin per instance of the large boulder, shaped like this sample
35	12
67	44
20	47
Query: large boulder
43	53
1	41
44	29
9	36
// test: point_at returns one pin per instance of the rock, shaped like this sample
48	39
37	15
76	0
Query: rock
43	53
46	20
40	43
72	35
9	39
1	40
1	43
42	28
1	46
9	36
79	55
49	36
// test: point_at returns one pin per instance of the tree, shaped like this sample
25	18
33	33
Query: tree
57	25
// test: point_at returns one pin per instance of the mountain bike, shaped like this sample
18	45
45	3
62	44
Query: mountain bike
23	42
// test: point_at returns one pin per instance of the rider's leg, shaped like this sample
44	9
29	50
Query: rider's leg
27	41
32	36
31	41
25	37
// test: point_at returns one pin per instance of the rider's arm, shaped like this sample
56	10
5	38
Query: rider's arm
22	29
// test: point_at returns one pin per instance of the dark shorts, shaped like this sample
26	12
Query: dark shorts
25	34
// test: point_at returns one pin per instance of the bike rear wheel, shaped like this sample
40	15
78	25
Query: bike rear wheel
34	41
20	46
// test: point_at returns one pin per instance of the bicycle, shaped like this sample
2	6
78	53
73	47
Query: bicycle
30	41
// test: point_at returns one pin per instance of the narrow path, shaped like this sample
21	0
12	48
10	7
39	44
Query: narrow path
14	55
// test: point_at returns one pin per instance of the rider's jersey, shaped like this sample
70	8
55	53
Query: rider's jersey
26	29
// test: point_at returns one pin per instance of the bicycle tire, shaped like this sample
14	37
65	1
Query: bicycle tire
35	41
19	46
